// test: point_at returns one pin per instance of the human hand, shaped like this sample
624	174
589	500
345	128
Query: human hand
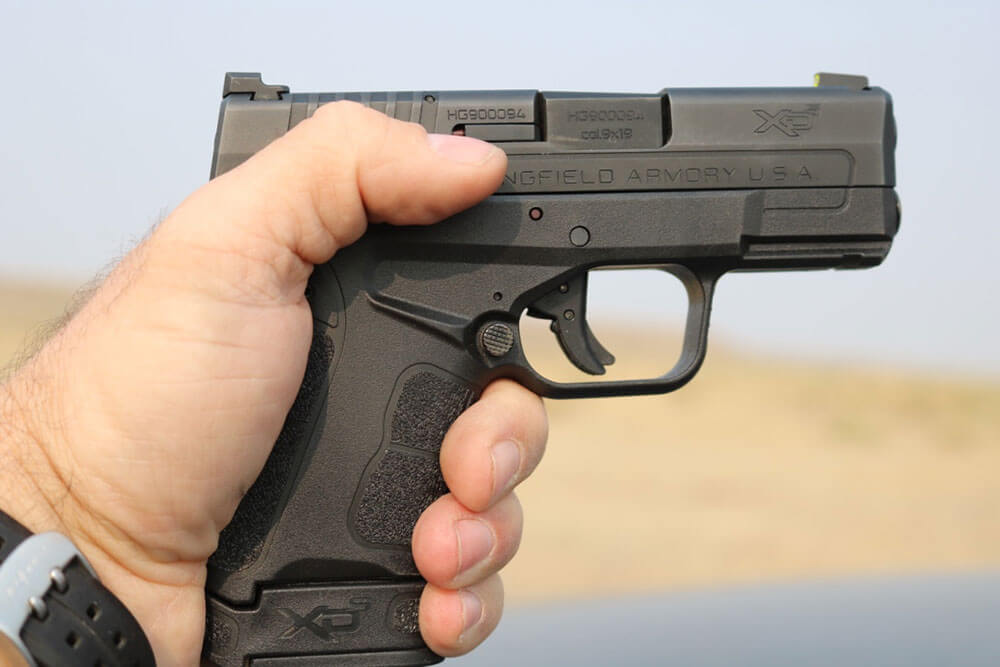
138	427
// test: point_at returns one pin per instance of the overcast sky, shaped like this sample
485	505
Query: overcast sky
109	112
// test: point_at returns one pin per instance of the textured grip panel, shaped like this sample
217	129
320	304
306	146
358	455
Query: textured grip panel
405	615
398	491
426	407
241	542
405	477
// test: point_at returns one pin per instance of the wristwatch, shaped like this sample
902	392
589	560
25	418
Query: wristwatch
56	612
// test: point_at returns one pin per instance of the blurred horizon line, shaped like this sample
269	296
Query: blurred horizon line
725	338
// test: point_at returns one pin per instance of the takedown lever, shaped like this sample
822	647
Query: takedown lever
566	306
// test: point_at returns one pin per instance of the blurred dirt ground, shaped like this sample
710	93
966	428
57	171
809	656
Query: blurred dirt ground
762	469
28	310
759	469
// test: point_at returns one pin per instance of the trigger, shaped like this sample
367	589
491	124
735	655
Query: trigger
595	346
566	306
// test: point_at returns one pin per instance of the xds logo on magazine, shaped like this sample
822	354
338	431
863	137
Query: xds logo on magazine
323	621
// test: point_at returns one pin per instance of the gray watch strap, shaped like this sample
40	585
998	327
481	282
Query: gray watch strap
27	574
55	610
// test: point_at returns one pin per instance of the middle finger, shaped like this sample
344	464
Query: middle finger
455	547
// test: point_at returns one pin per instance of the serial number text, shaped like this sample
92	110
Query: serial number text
486	113
605	115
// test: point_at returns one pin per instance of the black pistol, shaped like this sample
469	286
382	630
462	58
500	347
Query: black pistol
410	323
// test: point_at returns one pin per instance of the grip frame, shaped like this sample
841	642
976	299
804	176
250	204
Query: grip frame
316	566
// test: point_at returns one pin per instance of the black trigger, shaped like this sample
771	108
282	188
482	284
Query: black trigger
595	346
566	306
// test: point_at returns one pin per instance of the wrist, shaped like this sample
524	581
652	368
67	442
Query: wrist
55	611
30	488
46	485
36	480
34	492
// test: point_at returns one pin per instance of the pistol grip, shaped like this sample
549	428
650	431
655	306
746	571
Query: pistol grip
316	564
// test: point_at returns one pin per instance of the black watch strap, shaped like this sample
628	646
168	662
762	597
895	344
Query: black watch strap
54	607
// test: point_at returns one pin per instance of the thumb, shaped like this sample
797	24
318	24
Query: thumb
313	191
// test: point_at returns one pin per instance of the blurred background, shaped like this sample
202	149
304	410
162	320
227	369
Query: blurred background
846	424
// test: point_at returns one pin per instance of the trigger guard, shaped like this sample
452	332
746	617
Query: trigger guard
698	282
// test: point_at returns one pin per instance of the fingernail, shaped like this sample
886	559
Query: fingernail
506	462
475	542
461	149
472	610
